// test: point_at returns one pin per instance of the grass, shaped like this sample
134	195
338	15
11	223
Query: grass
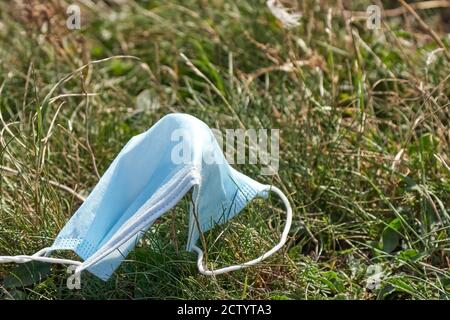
364	149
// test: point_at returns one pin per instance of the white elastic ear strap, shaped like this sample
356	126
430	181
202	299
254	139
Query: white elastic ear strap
38	256
205	271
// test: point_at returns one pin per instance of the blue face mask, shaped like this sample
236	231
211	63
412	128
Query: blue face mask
148	177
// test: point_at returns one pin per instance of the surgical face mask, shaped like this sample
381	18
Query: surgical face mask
148	177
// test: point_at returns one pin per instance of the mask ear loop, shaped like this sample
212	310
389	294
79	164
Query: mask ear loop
41	256
205	271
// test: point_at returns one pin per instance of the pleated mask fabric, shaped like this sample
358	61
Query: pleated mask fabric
149	176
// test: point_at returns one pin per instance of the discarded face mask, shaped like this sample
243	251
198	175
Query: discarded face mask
147	178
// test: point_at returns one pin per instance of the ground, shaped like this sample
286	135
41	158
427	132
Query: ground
364	141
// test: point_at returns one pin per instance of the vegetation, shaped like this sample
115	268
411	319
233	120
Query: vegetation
364	148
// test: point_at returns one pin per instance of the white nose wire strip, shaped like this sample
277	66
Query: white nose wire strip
38	256
205	271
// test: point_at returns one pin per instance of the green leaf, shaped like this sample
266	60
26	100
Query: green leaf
279	297
390	236
27	274
411	184
386	291
18	295
409	255
207	67
119	68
